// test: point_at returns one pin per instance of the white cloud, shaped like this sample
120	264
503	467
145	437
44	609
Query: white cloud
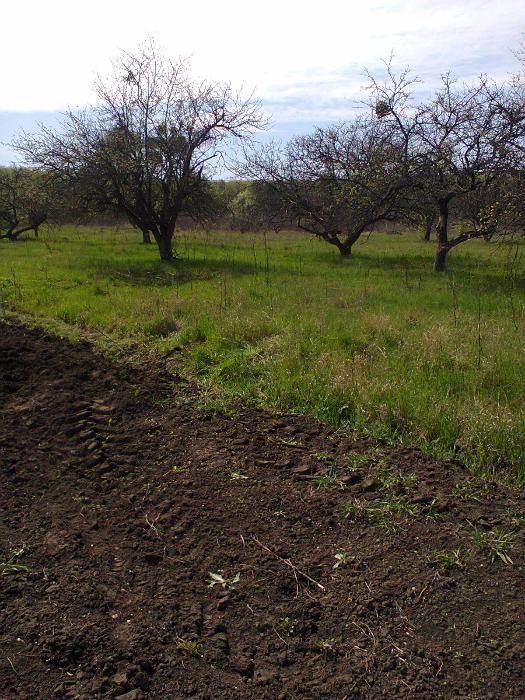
54	49
304	59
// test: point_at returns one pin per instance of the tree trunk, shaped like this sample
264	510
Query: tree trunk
443	245
440	259
345	247
429	225
165	249
12	234
146	238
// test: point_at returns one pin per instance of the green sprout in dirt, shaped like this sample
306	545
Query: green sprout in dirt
391	481
328	480
448	560
323	457
288	442
353	509
468	491
328	646
358	459
287	625
389	526
341	559
9	567
398	505
11	564
496	543
88	506
381	512
237	476
218	579
189	647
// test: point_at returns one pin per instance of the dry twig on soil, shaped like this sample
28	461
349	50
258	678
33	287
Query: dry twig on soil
288	563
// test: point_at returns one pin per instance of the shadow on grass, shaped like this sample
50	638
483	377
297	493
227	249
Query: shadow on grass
411	260
149	273
487	273
21	239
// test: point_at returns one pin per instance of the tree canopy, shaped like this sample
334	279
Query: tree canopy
149	145
335	183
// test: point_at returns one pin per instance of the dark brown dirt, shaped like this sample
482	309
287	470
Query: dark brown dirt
121	497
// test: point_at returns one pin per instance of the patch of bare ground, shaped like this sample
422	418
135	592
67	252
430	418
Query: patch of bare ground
148	550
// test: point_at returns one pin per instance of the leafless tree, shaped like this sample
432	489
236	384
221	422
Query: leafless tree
147	146
335	183
467	142
459	144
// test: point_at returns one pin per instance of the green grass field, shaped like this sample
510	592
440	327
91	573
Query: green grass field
378	342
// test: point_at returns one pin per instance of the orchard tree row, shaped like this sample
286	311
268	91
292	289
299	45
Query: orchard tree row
401	161
151	147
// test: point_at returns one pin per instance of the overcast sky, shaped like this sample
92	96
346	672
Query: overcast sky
304	60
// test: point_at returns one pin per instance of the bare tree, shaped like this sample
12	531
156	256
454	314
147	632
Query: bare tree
459	144
147	146
335	183
466	142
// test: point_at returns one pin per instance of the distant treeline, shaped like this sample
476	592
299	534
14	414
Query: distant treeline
29	198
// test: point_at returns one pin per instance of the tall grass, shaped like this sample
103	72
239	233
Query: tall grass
379	342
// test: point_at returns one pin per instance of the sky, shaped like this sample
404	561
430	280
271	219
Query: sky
303	60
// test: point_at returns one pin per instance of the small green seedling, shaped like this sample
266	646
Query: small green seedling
218	579
496	543
237	476
380	512
328	480
7	567
353	509
189	647
468	491
12	566
287	625
341	559
327	646
373	455
355	461
448	560
288	442
387	525
390	481
399	505
323	457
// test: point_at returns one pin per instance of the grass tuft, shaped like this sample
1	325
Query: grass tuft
496	543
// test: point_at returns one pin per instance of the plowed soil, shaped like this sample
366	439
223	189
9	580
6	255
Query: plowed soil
150	550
